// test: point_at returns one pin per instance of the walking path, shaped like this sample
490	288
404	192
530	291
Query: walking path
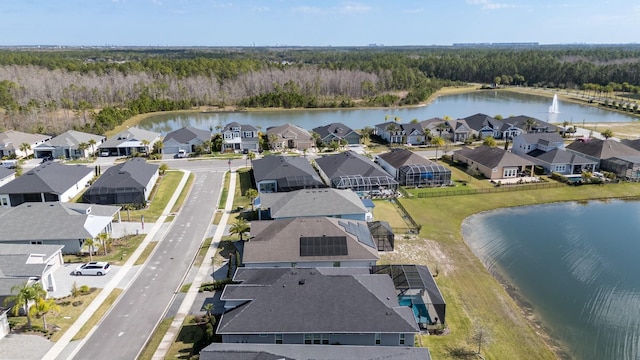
203	272
154	233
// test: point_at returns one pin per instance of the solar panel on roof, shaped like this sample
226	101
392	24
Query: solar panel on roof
323	245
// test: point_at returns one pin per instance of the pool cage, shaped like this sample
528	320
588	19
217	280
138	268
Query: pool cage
424	175
297	182
114	195
361	183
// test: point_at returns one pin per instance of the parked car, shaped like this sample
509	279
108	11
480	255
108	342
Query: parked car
9	164
180	154
93	268
105	153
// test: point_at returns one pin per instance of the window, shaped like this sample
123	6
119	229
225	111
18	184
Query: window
4	202
402	339
278	338
378	339
36	243
510	173
308	338
561	168
293	264
336	264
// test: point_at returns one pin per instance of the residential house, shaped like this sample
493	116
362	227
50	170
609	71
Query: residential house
337	132
236	137
597	150
21	263
410	169
51	181
6	175
342	204
186	138
417	289
130	182
129	142
635	143
349	170
11	141
391	132
492	162
521	124
625	167
4	322
309	242
222	351
542	142
55	223
284	173
67	145
561	161
346	306
482	126
289	136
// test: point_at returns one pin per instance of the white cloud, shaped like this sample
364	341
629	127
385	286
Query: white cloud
222	5
157	2
490	5
308	10
352	7
413	11
345	8
260	9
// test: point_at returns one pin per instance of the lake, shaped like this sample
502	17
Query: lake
576	264
489	102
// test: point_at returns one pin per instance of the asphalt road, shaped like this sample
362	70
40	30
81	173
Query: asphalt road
126	328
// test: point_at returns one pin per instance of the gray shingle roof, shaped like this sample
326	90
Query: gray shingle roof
632	143
323	304
130	134
287	170
244	127
326	202
520	122
478	121
15	267
135	173
54	221
49	177
12	139
560	156
338	130
188	133
289	131
602	149
4	172
72	138
279	240
231	351
493	157
541	138
349	163
398	158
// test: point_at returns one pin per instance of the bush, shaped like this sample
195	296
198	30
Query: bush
85	289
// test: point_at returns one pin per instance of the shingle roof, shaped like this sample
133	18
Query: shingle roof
72	138
188	133
12	139
4	172
398	158
232	351
478	121
135	173
349	163
541	138
326	202
602	149
338	130
323	304
560	156
632	143
54	221
289	131
17	264
279	240
520	122
130	134
492	157
244	127
49	177
288	171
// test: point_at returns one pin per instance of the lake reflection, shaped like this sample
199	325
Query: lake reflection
489	102
577	264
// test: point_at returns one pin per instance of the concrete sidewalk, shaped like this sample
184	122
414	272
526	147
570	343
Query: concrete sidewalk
203	272
154	233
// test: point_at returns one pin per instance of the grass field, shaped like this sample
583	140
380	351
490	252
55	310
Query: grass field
156	338
161	195
473	296
120	251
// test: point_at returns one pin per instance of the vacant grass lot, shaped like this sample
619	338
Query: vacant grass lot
387	211
473	296
162	193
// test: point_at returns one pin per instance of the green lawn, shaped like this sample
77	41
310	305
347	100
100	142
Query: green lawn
473	296
243	183
120	251
188	336
388	212
156	338
160	197
225	191
98	314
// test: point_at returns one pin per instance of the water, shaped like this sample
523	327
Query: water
489	102
577	264
553	109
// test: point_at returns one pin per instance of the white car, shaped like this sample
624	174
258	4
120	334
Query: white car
93	268
105	153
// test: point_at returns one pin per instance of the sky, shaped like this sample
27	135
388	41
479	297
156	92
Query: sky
315	23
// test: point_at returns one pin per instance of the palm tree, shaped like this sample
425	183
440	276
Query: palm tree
441	127
42	307
366	133
92	142
607	133
145	143
392	128
529	124
240	227
24	147
90	242
157	147
251	155
105	240
25	294
83	146
163	168
251	194
437	141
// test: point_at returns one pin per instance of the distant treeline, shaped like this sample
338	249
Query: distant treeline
53	90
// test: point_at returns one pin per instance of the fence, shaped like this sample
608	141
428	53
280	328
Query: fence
500	189
414	227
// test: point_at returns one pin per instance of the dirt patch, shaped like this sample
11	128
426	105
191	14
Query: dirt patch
411	249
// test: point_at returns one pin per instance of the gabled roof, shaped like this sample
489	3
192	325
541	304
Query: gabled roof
602	149
409	128
350	303
277	241
289	131
12	139
4	172
50	177
560	156
541	138
72	138
244	127
479	121
326	202
383	126
54	221
632	143
20	262
338	130
135	173
187	134
288	171
131	134
493	157
349	163
246	351
398	158
520	122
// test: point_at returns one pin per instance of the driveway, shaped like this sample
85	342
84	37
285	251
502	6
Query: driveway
64	279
